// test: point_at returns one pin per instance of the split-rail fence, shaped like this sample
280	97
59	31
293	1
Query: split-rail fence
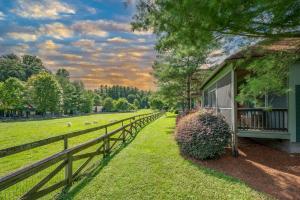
102	145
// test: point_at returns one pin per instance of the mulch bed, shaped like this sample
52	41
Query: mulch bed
263	168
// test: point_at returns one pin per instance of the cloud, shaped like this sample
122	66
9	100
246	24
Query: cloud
142	40
118	40
56	30
72	57
100	27
87	45
49	45
128	76
42	9
2	16
84	43
89	28
91	10
27	37
142	32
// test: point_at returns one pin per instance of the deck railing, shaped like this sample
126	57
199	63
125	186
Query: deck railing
261	119
48	173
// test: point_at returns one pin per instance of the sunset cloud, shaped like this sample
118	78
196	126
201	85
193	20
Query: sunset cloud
101	25
42	9
90	28
49	45
96	47
118	40
56	30
27	37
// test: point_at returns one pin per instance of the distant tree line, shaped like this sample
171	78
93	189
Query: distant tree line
122	98
27	87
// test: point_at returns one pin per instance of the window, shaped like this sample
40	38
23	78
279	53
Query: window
210	97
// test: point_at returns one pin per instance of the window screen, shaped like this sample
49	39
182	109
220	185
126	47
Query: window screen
224	92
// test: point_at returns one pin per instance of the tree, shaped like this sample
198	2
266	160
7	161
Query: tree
122	105
33	65
108	104
203	23
156	103
117	91
12	66
178	76
267	75
12	94
63	73
46	93
136	103
87	102
97	99
1	95
78	95
71	98
131	98
144	102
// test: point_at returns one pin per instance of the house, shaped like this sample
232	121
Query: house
277	122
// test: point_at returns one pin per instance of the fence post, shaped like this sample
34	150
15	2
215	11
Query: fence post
65	148
69	169
106	144
124	135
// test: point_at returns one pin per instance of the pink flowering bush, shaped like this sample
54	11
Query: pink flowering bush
203	135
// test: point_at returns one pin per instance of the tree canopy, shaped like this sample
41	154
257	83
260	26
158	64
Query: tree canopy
202	23
12	94
267	75
46	92
22	68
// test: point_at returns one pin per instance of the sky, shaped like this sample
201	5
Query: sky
91	39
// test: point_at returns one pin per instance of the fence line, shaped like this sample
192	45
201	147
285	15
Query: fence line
65	159
24	147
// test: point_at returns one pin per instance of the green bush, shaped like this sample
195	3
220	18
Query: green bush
203	135
122	105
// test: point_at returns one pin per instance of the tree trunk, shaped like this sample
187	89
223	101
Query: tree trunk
188	93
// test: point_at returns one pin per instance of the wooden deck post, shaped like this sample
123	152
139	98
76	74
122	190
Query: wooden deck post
234	139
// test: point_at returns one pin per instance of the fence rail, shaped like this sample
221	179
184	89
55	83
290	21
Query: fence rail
65	159
260	119
63	137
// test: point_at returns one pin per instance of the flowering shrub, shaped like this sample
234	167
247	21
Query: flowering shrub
203	135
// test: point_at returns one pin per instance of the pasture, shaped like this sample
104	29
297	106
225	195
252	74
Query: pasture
17	133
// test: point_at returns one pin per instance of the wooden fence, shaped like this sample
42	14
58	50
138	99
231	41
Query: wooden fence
102	145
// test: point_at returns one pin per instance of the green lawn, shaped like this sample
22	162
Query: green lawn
151	167
16	133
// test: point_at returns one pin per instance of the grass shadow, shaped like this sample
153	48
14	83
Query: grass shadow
170	130
86	178
210	171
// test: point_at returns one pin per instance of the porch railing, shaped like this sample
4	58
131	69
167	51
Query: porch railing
261	119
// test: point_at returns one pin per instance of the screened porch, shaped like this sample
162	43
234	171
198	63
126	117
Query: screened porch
270	117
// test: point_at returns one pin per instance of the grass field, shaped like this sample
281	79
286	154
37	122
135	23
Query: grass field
151	167
16	133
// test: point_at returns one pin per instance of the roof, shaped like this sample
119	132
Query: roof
289	45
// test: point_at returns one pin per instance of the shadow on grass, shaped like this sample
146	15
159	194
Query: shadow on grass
211	172
170	130
87	177
170	116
